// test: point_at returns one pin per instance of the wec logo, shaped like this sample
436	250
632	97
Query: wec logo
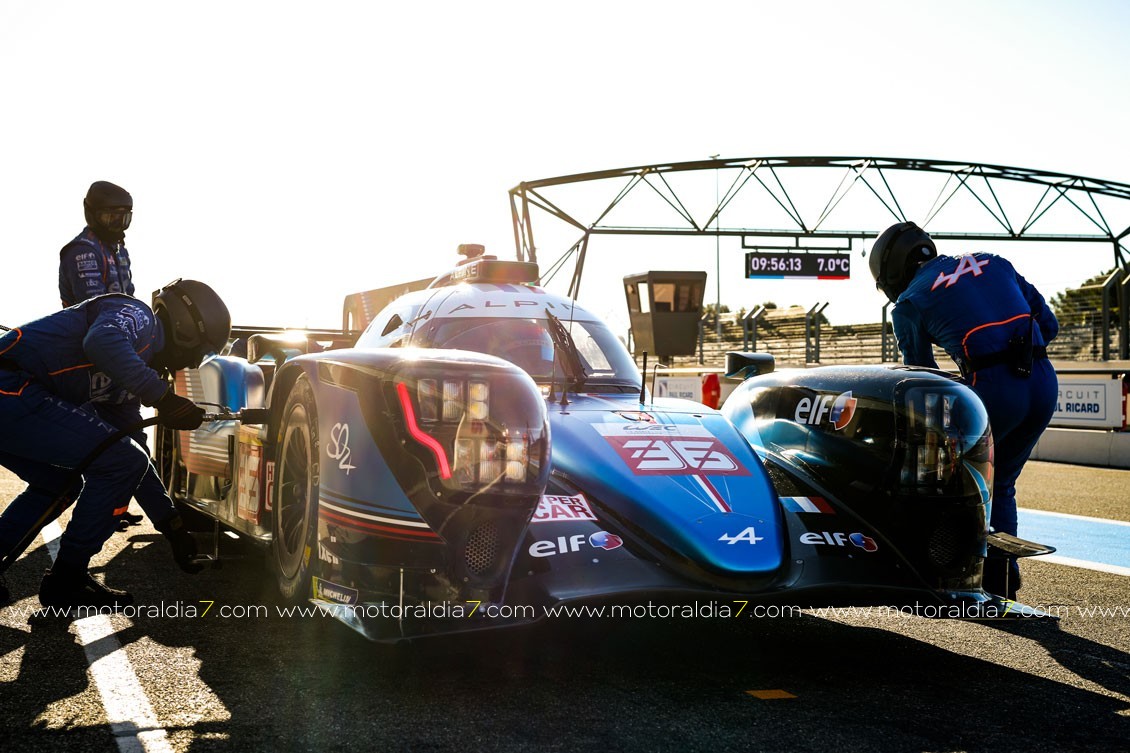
839	410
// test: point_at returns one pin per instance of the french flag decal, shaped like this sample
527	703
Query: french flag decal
715	498
807	504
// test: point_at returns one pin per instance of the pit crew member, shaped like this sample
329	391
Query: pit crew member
995	326
69	381
97	261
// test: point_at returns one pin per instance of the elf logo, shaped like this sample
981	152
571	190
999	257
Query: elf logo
839	410
566	544
839	538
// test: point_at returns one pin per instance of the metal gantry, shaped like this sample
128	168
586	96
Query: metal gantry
767	199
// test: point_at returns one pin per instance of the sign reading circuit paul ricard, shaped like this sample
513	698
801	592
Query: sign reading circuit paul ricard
1092	401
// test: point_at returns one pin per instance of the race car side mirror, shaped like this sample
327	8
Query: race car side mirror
744	365
279	347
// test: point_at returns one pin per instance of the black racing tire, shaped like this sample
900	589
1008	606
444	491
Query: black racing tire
166	457
294	521
173	475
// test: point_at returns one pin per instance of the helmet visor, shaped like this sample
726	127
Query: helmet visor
115	219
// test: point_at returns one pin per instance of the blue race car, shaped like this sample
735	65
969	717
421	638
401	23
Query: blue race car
487	453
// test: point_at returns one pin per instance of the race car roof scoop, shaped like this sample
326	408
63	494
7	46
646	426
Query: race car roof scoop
741	365
487	269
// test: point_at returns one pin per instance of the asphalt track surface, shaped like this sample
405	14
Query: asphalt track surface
810	682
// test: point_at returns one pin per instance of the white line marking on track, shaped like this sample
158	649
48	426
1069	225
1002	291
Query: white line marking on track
131	715
1051	514
1085	564
51	533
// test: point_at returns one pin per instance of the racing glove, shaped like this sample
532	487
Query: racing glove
176	412
184	546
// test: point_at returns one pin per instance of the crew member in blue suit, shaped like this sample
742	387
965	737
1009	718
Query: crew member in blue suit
96	261
71	380
995	326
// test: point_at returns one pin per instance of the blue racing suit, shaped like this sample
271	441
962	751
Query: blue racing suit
68	381
89	266
972	307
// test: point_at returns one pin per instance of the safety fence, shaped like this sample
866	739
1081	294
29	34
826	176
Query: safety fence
797	336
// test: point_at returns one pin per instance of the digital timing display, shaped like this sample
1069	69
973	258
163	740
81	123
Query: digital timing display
817	264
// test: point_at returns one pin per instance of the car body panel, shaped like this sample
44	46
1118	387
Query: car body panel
827	486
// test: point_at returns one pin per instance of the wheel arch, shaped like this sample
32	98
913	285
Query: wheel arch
281	387
294	563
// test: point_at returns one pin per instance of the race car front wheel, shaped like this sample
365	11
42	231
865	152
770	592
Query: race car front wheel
295	520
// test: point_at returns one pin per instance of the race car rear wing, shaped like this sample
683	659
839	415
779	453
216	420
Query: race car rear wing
255	343
360	308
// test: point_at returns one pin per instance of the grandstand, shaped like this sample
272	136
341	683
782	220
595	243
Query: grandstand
782	332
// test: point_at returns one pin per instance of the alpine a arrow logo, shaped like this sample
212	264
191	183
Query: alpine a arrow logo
966	264
749	535
839	410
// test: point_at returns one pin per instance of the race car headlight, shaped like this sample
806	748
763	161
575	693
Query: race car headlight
479	432
452	402
947	442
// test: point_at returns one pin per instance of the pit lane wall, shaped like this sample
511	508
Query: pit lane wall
1091	424
1092	417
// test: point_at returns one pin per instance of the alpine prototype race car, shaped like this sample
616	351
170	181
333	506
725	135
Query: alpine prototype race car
487	451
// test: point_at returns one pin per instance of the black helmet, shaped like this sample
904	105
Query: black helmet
196	323
896	255
108	209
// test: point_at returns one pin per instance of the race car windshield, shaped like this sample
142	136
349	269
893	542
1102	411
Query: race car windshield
527	344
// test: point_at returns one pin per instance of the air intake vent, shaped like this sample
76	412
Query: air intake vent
481	553
948	547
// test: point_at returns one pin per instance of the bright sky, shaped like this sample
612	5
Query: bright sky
290	153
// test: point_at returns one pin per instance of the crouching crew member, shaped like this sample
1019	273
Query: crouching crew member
69	381
995	326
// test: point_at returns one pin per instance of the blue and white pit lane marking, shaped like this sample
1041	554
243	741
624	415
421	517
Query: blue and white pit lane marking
1080	541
